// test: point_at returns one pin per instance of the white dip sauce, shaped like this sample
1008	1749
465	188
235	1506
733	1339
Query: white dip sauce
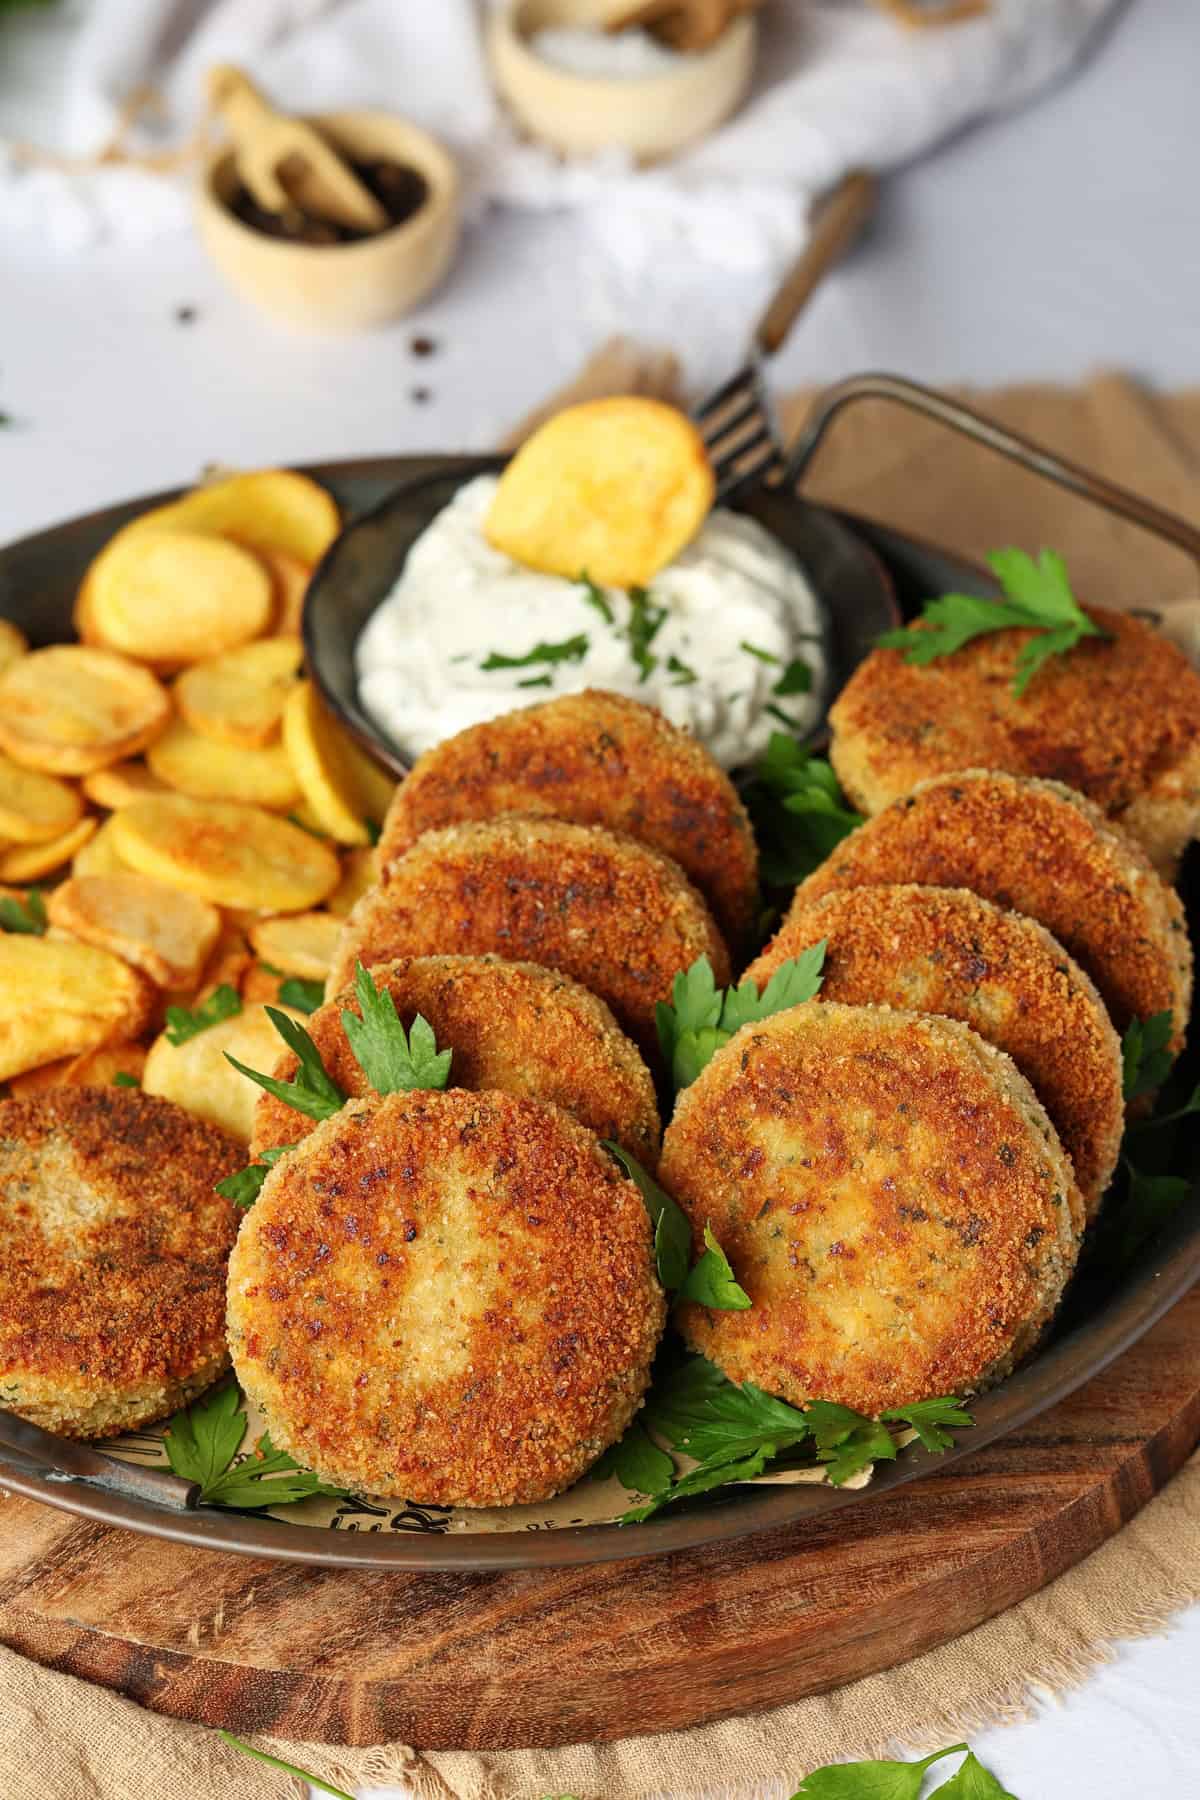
682	645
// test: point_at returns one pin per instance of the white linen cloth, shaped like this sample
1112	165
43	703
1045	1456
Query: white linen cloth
839	84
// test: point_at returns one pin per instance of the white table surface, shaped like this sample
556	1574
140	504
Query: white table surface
1045	245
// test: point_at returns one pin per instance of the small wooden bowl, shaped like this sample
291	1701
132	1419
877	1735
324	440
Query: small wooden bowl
651	116
340	287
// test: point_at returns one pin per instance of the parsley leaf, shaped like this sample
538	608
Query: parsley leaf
797	809
766	656
736	1433
275	1762
123	1079
645	621
796	679
973	1782
374	831
572	649
880	1780
183	1023
685	675
638	1463
26	916
672	1233
1037	596
245	1186
311	1090
700	1019
596	597
928	1419
1145	1058
394	1061
711	1281
202	1443
301	994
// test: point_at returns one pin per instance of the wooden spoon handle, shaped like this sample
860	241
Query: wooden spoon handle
837	224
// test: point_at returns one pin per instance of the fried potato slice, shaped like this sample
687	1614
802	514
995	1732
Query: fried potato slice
360	871
164	932
173	596
195	765
197	1076
289	578
300	944
120	784
238	698
616	487
29	862
343	788
13	643
267	510
230	854
59	997
35	807
100	1068
98	855
34	1081
71	708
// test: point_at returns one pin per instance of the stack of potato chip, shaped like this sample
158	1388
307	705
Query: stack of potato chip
205	821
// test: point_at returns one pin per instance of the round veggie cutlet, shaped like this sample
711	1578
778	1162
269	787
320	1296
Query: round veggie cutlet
1037	848
113	1248
591	903
1118	718
892	1197
594	758
946	951
512	1027
449	1297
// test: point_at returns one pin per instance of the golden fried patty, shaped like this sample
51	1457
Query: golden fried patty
592	904
112	1258
598	759
449	1297
512	1027
891	1196
1118	718
1034	847
944	950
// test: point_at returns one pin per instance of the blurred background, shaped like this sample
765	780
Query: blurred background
1034	159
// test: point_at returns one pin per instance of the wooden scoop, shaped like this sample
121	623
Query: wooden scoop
683	24
284	162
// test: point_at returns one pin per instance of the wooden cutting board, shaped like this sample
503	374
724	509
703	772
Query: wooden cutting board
496	1661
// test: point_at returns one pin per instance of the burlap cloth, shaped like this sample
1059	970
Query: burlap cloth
61	1739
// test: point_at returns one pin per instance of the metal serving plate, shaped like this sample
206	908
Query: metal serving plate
38	579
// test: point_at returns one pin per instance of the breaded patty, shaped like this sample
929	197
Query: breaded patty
592	904
1118	719
597	759
892	1197
944	950
449	1297
512	1027
113	1248
1034	847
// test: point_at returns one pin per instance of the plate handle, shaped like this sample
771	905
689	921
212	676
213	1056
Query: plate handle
1031	456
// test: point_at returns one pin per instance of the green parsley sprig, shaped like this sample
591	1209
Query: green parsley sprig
797	808
1037	597
1146	1058
596	597
700	1018
1159	1163
203	1442
184	1022
731	1433
572	649
28	916
711	1281
277	1762
393	1060
902	1780
646	620
301	994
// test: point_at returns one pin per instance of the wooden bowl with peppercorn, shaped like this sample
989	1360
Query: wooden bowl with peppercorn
323	275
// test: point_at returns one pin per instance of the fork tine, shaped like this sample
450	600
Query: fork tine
731	480
746	378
